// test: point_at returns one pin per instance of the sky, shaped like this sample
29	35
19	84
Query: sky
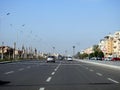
44	24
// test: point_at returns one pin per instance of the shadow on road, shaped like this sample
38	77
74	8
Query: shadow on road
4	82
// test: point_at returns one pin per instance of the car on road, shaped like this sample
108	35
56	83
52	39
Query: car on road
69	59
51	59
107	58
60	57
115	59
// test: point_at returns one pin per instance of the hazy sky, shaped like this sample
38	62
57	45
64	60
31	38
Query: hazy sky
44	24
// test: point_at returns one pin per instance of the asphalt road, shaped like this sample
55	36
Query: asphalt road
62	75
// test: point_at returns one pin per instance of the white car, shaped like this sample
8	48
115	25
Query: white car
51	59
69	59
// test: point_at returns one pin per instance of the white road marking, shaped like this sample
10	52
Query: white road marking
21	69
42	88
99	74
113	80
10	72
55	69
52	73
49	78
91	70
28	67
86	67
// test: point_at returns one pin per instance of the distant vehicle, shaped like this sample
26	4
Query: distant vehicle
115	59
60	57
93	58
69	59
51	59
99	58
108	58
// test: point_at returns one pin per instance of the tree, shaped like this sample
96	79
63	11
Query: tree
97	51
84	55
95	48
100	54
91	55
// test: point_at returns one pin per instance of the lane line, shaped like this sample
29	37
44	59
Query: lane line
10	72
52	73
42	88
28	67
21	69
112	80
49	78
86	67
55	69
99	74
91	70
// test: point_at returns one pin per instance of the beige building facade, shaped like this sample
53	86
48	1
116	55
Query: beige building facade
116	44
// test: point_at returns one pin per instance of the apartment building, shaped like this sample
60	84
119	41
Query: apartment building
109	45
106	45
102	46
116	44
89	50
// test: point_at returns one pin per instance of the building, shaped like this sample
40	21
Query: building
102	45
5	52
116	44
108	45
89	50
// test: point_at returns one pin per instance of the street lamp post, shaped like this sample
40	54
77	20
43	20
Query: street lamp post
73	51
14	48
53	50
2	51
65	52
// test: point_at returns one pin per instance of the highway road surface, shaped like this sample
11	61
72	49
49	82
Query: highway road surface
62	75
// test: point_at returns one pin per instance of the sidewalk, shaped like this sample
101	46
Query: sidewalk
111	64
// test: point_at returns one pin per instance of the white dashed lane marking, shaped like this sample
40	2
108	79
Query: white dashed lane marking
21	69
87	68
10	72
99	74
91	70
42	88
55	69
28	67
112	80
49	78
52	73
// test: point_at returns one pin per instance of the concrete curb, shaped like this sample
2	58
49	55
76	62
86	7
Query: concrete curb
5	62
100	64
